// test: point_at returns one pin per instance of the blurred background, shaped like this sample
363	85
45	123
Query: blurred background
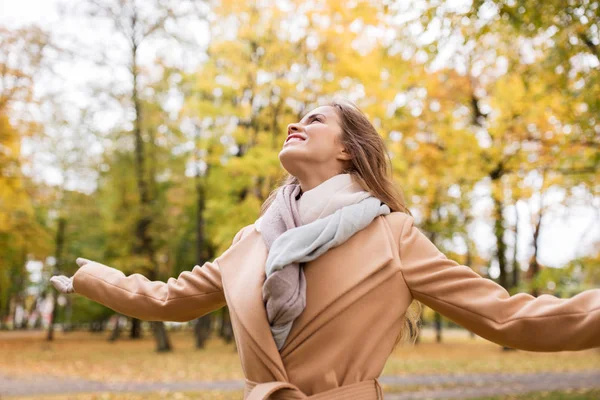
145	134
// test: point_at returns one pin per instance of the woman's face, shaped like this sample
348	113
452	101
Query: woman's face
314	143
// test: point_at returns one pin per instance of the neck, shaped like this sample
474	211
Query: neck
338	191
312	180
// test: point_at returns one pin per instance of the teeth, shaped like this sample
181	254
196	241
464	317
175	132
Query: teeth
295	139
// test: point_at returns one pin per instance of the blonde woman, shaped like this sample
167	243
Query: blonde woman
329	278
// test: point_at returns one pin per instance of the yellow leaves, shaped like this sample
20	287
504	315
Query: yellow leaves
137	359
15	206
10	144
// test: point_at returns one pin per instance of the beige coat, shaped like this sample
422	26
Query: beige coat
357	294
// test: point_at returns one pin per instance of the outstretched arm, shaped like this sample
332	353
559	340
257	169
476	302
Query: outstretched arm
191	295
522	321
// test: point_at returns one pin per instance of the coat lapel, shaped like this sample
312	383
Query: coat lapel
243	275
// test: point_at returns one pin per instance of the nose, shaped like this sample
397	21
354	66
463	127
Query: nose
293	128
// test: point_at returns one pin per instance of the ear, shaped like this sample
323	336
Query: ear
344	155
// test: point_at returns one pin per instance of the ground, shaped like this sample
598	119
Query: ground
461	367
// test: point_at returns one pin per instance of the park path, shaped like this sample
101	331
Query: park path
464	386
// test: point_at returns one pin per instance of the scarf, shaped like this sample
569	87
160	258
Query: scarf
299	227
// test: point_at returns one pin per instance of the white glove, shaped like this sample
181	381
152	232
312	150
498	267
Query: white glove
63	283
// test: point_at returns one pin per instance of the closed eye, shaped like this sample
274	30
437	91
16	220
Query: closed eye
315	117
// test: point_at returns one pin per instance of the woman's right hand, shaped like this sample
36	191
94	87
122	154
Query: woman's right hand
62	283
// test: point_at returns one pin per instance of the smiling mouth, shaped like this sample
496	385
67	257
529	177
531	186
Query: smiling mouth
294	138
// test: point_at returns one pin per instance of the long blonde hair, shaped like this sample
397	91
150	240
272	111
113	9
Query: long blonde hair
370	166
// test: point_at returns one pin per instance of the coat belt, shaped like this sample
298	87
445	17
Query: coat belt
276	390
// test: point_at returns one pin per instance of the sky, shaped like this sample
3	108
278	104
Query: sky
567	233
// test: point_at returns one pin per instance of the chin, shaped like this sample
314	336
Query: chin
289	159
288	153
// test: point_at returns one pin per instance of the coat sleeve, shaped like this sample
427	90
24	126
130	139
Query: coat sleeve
522	321
191	295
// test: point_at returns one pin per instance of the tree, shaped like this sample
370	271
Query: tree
22	232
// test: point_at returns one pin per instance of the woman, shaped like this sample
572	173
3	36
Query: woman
354	263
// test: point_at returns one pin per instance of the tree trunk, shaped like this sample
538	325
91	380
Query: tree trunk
50	332
226	330
499	233
534	266
438	327
15	293
136	329
98	326
163	344
68	327
515	262
469	258
34	307
60	240
116	332
500	244
145	244
202	329
12	310
202	325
